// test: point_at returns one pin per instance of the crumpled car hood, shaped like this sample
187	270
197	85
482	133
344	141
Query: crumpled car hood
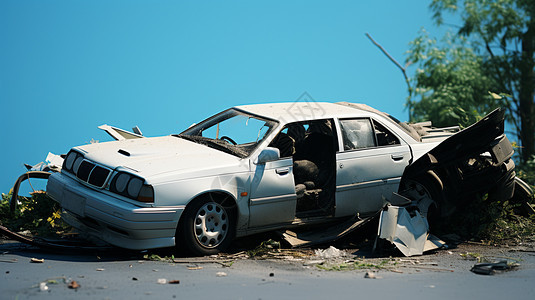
472	140
150	157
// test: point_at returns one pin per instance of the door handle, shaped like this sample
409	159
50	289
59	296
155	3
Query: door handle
282	171
397	157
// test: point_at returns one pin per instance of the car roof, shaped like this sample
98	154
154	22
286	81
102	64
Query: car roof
304	111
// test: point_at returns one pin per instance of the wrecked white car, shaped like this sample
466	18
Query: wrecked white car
262	167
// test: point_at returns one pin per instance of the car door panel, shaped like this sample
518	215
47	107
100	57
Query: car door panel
272	197
370	166
365	177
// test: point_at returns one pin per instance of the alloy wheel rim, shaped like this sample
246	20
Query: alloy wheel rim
211	225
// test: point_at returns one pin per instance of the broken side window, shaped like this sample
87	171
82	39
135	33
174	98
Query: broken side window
357	134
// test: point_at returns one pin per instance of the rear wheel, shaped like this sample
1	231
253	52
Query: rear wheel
207	226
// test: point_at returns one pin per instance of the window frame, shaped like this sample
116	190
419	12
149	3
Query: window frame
372	121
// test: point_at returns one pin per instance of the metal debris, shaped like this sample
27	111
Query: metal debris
329	234
490	268
407	231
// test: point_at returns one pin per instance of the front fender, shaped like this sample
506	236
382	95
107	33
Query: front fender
182	192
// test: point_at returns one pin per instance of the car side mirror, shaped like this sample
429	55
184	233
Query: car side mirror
268	154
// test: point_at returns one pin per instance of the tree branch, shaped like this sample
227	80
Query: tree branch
403	70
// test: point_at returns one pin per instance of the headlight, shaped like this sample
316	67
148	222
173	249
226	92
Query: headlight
72	161
121	182
133	187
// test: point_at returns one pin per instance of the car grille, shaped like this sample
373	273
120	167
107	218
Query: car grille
92	173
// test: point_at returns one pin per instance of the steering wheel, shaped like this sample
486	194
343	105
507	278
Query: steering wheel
228	139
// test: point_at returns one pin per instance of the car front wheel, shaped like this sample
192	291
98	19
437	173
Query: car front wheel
427	196
207	227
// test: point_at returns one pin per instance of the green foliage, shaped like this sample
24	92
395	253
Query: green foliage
38	214
451	83
506	225
526	171
471	256
156	257
503	19
264	248
491	221
489	62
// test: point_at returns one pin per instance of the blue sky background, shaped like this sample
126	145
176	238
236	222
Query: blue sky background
67	67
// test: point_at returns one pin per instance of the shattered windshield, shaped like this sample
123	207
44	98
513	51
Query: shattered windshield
231	131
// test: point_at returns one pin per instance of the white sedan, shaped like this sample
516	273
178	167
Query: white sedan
263	167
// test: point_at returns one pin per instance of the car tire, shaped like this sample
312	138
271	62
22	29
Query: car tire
428	196
207	227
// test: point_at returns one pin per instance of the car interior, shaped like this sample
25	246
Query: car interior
312	146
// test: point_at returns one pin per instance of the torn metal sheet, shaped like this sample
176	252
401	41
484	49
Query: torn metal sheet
314	237
474	161
490	268
52	162
433	243
120	134
42	170
398	200
408	233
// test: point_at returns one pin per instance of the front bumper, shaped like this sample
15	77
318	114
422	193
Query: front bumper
113	220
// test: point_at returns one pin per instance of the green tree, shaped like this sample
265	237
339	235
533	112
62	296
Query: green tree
451	82
493	53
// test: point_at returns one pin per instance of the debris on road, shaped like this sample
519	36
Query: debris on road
471	256
73	285
490	268
43	287
408	231
328	234
37	260
372	275
330	252
221	274
313	262
269	246
358	264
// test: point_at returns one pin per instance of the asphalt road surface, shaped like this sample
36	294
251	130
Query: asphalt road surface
120	274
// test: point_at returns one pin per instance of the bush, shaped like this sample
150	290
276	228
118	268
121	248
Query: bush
526	172
38	214
490	222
